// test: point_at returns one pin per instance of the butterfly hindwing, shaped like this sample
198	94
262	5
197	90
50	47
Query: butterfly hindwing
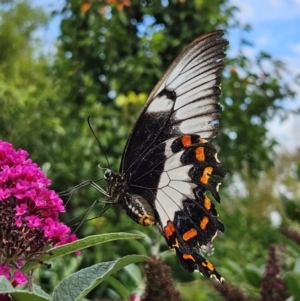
169	163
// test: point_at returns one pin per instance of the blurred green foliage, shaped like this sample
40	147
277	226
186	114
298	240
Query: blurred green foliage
110	54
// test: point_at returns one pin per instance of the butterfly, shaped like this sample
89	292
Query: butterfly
169	163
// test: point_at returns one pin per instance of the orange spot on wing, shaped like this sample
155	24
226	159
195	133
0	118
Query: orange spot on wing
208	265
204	222
169	230
189	234
207	203
186	140
188	256
205	176
200	153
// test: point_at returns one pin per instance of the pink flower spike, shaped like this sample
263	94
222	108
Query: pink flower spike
21	209
31	194
5	271
40	202
19	277
20	263
33	221
4	193
57	202
19	221
29	213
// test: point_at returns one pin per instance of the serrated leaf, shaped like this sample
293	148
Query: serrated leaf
78	245
79	284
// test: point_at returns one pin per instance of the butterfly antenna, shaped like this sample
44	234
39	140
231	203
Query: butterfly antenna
100	145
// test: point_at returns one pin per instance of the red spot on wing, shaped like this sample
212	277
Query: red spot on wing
189	234
188	256
169	230
208	265
200	153
186	140
207	203
205	175
204	222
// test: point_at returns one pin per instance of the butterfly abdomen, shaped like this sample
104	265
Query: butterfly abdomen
139	210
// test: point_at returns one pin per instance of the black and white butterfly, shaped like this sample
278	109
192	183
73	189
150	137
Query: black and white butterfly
169	163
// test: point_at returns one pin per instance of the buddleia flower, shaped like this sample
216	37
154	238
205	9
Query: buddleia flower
29	214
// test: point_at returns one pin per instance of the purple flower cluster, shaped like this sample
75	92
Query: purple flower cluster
28	213
272	287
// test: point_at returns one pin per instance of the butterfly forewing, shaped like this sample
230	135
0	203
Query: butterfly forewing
192	82
169	163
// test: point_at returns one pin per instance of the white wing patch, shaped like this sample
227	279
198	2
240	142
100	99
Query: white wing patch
180	173
175	195
188	111
173	161
186	84
160	104
164	180
192	96
168	150
169	200
174	185
165	207
185	188
196	125
164	204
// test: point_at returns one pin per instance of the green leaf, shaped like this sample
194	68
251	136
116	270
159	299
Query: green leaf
118	287
20	295
39	291
25	296
5	285
286	240
78	245
79	284
292	282
291	207
135	273
253	276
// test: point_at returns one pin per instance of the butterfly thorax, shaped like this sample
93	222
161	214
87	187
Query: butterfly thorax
116	186
136	207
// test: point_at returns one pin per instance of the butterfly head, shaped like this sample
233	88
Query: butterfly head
107	174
